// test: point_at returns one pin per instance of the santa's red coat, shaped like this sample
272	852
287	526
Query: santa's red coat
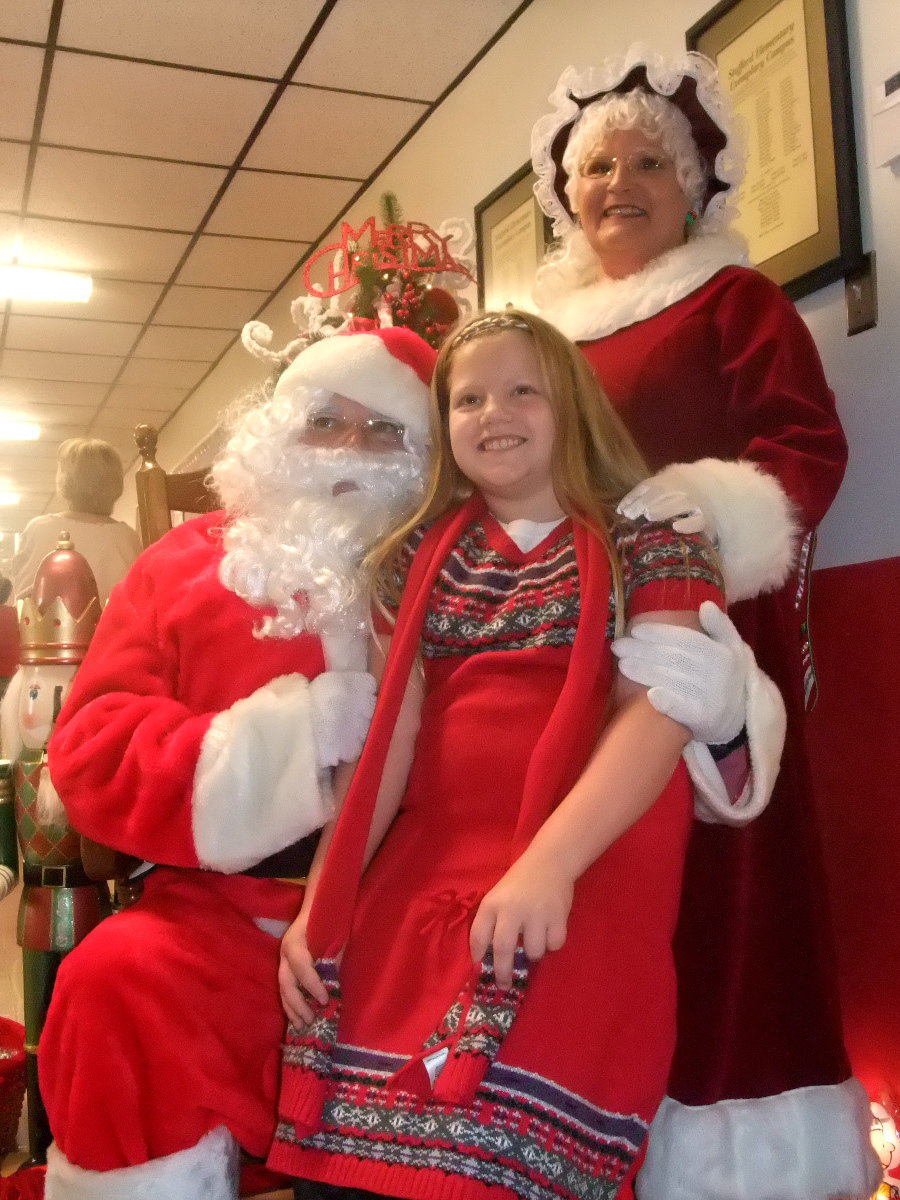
166	1022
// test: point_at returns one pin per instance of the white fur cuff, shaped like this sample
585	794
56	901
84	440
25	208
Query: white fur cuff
208	1170
765	722
808	1144
257	786
752	517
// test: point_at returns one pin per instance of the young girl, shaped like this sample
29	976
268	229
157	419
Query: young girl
504	1014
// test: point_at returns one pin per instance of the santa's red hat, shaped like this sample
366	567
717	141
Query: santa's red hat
388	370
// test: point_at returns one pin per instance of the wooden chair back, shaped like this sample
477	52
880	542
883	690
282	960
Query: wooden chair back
159	493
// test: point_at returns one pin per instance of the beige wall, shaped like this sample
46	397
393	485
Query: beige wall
480	135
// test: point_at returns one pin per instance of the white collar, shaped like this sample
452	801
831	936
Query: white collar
599	309
527	534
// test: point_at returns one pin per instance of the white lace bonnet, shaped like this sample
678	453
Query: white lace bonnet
691	82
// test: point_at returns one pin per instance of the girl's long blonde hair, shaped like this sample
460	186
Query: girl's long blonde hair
595	461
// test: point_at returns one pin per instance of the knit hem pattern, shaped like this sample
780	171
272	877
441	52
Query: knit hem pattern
390	1123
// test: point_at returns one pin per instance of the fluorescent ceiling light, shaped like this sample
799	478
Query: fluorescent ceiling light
7	498
19	431
32	283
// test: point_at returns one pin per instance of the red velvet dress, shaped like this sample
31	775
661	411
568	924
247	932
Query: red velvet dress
521	1107
730	371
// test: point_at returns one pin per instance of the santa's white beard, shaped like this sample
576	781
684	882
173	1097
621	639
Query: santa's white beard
302	555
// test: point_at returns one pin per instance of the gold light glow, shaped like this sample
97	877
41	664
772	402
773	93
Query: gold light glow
34	283
19	431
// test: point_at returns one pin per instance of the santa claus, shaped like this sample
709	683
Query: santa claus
226	679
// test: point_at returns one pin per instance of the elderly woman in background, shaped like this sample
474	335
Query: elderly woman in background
89	477
720	383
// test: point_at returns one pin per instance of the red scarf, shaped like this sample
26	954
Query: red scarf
550	772
557	761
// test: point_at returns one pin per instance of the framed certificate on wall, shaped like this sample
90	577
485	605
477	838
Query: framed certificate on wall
511	235
784	64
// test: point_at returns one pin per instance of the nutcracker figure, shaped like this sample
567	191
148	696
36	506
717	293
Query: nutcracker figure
59	903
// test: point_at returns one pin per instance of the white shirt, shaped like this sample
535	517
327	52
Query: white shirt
109	546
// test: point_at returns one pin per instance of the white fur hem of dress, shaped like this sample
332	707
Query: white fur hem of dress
208	1170
600	308
807	1144
257	784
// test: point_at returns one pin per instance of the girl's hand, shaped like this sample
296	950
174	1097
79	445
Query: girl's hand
530	904
298	979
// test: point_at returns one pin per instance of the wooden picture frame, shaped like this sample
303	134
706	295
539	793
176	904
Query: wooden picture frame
511	235
785	64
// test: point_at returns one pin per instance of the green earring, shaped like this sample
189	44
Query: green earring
690	218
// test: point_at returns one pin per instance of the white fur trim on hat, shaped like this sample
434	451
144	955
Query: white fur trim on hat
751	518
360	367
807	1144
208	1170
257	784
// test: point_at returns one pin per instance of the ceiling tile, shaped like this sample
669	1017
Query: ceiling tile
300	134
188	115
72	336
111	300
395	64
136	398
280	206
48	414
221	308
109	250
13	161
253	39
87	186
28	19
240	262
118	422
39	454
49	391
9	229
164	372
170	341
20	70
84	368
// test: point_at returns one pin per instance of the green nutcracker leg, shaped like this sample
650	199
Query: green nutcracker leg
40	968
59	907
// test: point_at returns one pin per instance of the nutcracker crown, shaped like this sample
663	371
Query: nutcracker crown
58	619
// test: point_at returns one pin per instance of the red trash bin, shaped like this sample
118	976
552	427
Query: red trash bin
12	1081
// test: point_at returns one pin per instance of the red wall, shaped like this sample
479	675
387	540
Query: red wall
854	739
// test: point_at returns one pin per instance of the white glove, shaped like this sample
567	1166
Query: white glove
341	707
656	501
697	679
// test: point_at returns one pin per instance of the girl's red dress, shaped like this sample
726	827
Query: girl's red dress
547	1090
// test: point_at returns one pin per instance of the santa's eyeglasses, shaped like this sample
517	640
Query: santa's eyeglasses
325	428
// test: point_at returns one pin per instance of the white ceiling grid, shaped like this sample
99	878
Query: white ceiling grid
188	154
